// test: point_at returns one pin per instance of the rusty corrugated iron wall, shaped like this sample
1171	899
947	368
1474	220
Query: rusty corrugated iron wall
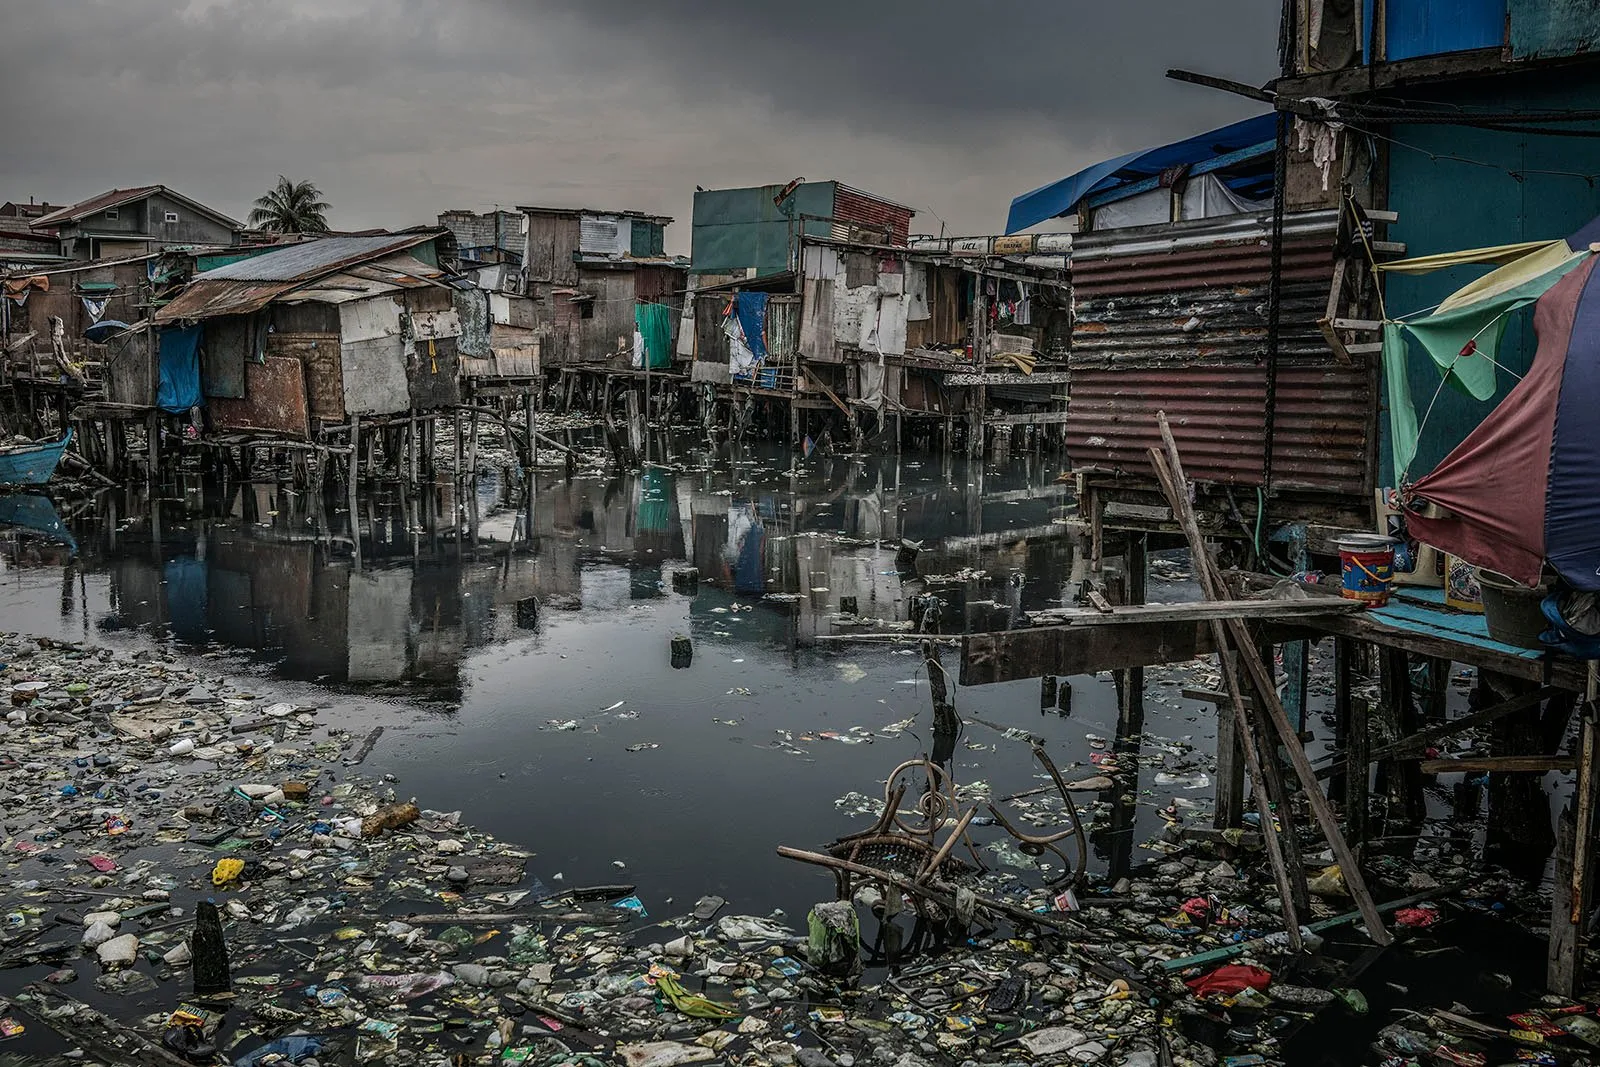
854	205
1174	318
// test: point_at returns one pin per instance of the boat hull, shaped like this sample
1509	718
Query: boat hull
32	464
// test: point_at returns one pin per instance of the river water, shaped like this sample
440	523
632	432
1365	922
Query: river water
572	734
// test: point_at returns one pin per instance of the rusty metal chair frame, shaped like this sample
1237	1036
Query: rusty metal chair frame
1037	845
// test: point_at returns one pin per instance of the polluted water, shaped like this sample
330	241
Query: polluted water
498	774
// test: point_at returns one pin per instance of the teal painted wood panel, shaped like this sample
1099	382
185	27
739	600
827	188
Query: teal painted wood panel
1505	194
1546	29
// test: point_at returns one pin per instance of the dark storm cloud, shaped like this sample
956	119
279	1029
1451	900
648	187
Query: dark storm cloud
883	62
402	108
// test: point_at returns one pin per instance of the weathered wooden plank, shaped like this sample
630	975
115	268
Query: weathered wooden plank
1066	650
1365	626
1200	611
1500	764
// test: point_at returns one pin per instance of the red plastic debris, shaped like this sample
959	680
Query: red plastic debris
1230	979
1416	916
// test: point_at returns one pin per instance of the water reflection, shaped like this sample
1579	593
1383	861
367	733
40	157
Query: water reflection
397	598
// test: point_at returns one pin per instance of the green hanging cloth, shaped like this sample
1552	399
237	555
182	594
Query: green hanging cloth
654	323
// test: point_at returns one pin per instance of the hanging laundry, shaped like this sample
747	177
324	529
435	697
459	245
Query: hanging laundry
95	308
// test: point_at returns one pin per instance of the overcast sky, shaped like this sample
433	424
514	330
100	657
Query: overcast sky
400	109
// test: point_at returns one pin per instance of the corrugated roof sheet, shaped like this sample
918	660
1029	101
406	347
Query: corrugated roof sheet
304	262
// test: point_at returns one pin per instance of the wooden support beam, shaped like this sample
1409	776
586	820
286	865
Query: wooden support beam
1290	880
1499	764
1068	650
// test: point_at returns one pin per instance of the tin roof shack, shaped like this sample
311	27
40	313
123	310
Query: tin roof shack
756	232
1175	310
81	295
295	341
971	328
1481	115
586	271
124	222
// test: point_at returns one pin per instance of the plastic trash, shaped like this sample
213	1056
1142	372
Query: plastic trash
1230	979
226	870
118	950
296	1048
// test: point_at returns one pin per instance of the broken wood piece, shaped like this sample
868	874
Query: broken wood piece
1289	892
1267	692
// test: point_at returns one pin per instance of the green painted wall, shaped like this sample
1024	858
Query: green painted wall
1446	205
736	229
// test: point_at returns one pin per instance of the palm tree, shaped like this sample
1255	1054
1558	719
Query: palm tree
291	207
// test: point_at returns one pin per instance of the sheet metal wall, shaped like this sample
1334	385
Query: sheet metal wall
274	400
1175	318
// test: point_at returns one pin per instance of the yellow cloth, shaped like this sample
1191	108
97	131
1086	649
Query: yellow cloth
1497	254
1513	275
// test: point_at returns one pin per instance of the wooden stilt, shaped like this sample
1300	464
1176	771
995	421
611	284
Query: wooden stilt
1130	710
1572	894
1282	874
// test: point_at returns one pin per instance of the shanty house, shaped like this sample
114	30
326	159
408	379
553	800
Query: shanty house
124	222
756	232
586	272
1175	308
297	340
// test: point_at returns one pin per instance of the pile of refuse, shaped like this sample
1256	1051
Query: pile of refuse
236	890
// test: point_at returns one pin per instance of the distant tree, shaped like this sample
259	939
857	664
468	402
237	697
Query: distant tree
291	207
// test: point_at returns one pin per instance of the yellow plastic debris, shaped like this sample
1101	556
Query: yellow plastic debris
226	871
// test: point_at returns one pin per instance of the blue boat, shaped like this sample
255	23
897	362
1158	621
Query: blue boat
36	515
31	464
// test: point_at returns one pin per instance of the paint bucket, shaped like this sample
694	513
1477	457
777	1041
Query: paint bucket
1366	565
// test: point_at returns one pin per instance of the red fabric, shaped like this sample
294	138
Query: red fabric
1230	979
1494	483
1416	916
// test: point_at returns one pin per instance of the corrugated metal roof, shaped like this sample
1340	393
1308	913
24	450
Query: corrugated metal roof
210	296
305	262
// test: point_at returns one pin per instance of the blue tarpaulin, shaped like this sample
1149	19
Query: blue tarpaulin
180	370
1061	197
751	309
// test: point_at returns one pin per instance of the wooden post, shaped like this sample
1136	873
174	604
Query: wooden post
1400	779
1572	893
528	409
351	486
152	458
1228	810
456	433
472	447
411	446
1130	710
